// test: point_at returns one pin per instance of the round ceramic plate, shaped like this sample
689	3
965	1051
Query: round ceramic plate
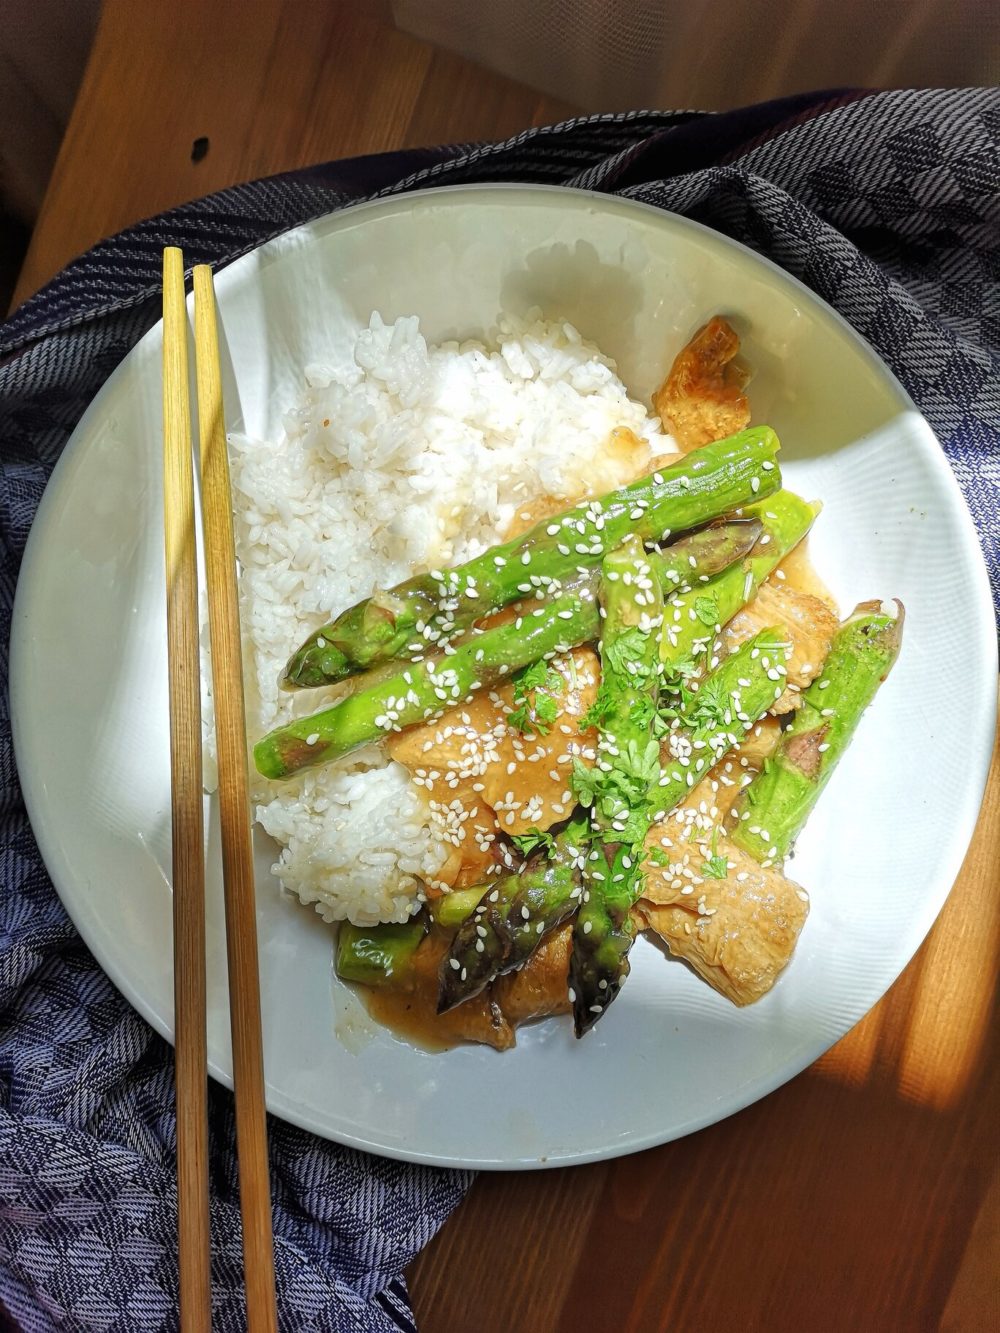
89	681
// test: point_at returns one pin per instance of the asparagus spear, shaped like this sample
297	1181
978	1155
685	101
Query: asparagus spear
377	955
725	707
432	608
424	689
628	768
695	617
729	702
511	918
451	909
773	808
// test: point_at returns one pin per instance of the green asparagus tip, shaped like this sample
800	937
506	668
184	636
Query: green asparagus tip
890	630
317	662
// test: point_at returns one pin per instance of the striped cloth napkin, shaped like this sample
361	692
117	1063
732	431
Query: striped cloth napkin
886	204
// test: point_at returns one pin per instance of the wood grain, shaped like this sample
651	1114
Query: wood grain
271	85
863	1195
234	817
186	808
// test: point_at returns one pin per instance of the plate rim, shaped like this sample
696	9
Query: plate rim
279	1103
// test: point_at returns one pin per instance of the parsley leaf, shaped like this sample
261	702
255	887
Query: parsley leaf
519	718
539	676
716	867
577	834
632	831
625	787
584	782
597	714
676	673
658	856
626	651
641	761
530	678
707	610
643	711
712	707
675	686
526	843
546	709
536	713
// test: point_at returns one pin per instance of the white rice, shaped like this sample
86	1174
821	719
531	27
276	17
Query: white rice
413	457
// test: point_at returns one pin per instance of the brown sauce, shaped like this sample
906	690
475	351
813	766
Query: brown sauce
410	1014
409	1009
801	575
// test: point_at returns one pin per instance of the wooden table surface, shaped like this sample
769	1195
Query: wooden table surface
863	1195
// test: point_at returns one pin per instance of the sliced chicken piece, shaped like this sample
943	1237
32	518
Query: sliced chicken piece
438	756
702	398
541	987
475	858
738	933
625	457
810	624
476	765
758	744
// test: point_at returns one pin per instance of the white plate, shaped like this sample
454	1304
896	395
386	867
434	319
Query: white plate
879	856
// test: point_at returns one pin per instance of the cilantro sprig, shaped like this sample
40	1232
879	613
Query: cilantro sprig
715	866
535	691
535	838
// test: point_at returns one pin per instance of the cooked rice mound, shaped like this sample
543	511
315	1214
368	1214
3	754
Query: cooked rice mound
406	458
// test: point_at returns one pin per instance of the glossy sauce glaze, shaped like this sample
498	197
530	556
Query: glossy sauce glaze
410	1008
799	573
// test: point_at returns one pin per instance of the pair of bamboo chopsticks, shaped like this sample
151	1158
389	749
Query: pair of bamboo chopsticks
194	1241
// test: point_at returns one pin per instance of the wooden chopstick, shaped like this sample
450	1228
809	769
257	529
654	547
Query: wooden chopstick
234	812
186	807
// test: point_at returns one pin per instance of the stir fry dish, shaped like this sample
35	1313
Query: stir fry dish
622	716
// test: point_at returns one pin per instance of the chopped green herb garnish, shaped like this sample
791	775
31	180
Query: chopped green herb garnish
626	653
596	715
630	831
707	610
641	760
546	709
538	675
711	707
536	713
529	842
584	782
519	718
716	866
